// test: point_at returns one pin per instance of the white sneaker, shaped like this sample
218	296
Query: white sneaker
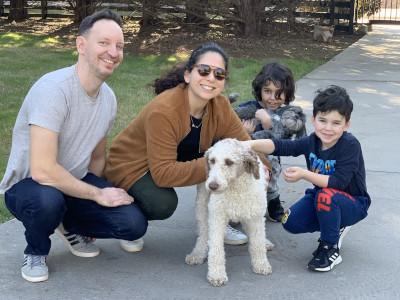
343	232
132	246
234	236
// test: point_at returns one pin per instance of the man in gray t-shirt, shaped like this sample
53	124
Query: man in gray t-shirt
53	178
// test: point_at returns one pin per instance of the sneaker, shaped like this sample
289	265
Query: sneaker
34	268
234	236
132	246
343	232
320	245
78	245
325	258
275	210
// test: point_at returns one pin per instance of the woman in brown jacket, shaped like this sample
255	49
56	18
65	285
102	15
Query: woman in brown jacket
163	146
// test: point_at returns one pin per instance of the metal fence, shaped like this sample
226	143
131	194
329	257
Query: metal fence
379	11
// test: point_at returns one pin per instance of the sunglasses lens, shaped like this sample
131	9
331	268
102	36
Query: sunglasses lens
219	74
204	70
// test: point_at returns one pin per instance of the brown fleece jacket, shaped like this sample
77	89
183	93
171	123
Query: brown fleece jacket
151	140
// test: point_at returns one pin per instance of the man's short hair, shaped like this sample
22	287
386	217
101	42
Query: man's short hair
331	99
104	14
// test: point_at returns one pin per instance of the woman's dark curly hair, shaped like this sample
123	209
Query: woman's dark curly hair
175	76
279	75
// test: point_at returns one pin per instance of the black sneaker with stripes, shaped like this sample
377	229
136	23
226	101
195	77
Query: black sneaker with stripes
325	257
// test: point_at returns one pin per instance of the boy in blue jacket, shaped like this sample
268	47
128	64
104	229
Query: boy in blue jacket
335	166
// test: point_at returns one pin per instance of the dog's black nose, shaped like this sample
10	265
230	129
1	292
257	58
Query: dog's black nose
213	186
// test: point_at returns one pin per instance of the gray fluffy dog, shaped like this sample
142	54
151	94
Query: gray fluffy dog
287	122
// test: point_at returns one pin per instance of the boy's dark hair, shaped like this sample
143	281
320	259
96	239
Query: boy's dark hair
175	76
104	14
333	98
279	75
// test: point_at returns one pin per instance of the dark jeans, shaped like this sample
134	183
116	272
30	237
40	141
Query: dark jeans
42	208
326	211
157	203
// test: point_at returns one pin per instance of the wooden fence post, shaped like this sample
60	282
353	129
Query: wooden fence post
332	13
1	8
351	16
18	10
43	4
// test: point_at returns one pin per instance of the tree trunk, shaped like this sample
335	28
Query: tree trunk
252	14
195	13
83	8
18	10
149	13
291	19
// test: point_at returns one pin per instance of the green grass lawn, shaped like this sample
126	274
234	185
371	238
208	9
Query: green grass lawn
25	58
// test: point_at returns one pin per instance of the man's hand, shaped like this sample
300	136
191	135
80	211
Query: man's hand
249	126
293	174
112	197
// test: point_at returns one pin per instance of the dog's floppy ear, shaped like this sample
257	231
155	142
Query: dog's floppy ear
232	97
206	159
250	162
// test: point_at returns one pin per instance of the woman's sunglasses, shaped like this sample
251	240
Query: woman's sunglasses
205	70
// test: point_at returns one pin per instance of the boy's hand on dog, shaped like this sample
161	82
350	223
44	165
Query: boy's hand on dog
293	174
265	119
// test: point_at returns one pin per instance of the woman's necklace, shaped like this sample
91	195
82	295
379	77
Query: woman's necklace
196	126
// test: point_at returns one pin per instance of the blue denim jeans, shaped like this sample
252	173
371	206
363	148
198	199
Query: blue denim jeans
326	211
42	208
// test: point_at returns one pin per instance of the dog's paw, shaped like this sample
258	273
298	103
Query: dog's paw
218	281
193	259
263	269
268	245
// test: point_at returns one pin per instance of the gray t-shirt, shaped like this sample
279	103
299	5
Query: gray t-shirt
58	102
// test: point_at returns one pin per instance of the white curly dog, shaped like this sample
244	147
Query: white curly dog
234	191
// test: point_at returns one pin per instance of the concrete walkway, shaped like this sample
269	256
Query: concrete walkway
370	70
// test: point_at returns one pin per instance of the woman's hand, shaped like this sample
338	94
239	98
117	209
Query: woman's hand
267	174
249	126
